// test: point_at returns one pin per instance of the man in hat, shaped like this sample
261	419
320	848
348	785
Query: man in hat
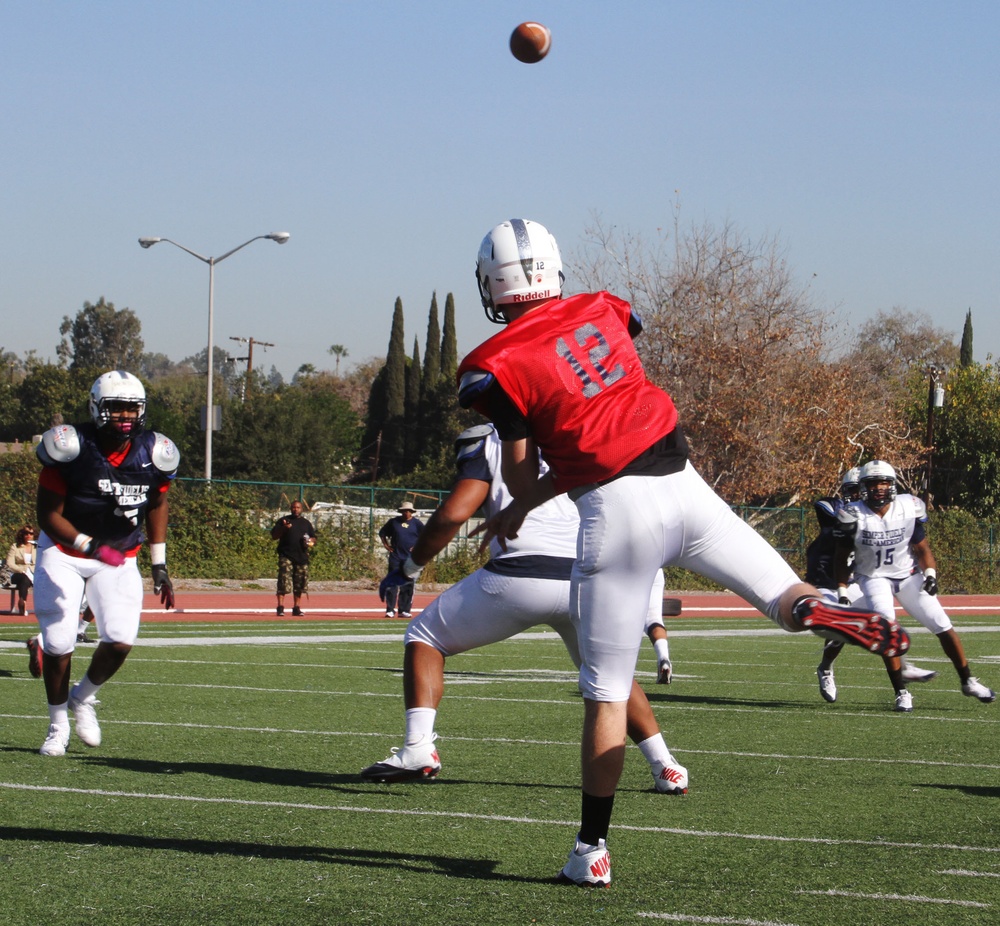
398	535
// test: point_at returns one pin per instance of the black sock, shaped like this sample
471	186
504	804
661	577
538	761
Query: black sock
595	817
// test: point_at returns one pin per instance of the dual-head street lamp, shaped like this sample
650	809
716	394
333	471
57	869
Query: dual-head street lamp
281	238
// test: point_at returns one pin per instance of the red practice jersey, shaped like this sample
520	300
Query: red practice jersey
571	370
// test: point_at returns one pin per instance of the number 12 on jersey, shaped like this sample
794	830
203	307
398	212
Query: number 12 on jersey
584	334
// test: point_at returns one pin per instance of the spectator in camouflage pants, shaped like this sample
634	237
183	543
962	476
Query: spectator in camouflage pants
296	536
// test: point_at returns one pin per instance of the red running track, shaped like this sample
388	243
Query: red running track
258	605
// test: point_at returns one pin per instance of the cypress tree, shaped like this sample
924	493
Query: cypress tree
965	357
395	366
449	343
432	357
411	425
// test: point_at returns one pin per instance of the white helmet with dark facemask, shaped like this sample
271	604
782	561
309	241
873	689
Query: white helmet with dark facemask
518	261
112	392
872	474
850	485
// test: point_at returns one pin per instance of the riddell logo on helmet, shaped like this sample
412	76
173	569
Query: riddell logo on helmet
529	297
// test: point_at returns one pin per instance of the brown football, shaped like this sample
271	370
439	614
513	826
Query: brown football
530	42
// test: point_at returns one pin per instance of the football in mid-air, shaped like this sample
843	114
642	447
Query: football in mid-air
530	42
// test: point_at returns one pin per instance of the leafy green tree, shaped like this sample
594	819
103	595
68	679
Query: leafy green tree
304	432
966	469
47	391
101	338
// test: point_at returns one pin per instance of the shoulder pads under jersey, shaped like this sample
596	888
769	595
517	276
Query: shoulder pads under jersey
847	522
60	444
471	441
166	456
472	385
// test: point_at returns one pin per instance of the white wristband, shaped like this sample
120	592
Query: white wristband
81	542
158	554
842	591
930	573
410	569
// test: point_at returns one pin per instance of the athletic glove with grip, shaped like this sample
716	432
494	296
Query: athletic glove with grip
162	585
99	550
930	585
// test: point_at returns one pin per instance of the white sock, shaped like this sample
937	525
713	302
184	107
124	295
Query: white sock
655	749
59	714
662	648
84	688
419	724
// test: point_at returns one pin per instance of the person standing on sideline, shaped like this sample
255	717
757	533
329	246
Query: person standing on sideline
520	588
564	377
102	492
885	533
296	537
398	535
21	563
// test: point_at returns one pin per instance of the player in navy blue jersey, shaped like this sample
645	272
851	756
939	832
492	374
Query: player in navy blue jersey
101	494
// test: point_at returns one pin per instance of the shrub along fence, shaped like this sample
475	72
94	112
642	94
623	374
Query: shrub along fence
221	530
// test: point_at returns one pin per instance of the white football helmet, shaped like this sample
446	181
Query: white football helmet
850	485
873	473
518	261
117	388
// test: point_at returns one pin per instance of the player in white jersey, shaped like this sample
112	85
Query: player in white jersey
820	556
523	587
886	532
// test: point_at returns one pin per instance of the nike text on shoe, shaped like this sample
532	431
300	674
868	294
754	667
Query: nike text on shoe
827	686
974	688
87	727
664	672
56	742
419	762
852	625
915	674
588	866
904	702
34	658
671	778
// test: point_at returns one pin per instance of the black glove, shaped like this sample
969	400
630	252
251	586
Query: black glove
843	599
162	585
930	585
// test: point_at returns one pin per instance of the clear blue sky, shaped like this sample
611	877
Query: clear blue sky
388	137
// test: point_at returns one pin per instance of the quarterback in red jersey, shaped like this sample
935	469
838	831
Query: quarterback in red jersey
563	377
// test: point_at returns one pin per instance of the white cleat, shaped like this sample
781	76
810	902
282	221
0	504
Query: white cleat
671	778
974	688
588	866
904	702
827	686
56	742
418	762
916	674
87	727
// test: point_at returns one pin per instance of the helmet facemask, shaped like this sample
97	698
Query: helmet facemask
112	397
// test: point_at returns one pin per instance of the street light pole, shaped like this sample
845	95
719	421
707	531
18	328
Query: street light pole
281	238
